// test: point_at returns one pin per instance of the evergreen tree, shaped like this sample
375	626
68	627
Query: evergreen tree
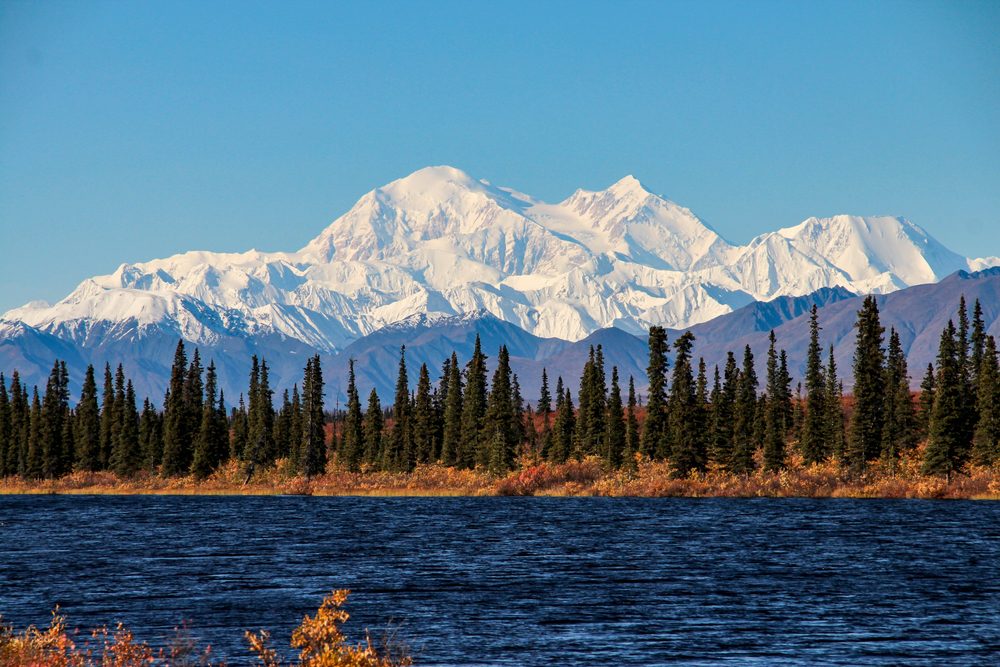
295	431
834	409
978	343
212	441
282	427
986	443
20	424
518	430
451	439
177	436
313	451
193	400
126	457
899	427
88	425
774	432
683	409
865	441
107	418
724	414
745	442
815	435
615	440
34	467
944	446
473	408
372	428
6	439
566	427
353	440
631	426
926	402
397	454
240	427
150	436
56	459
260	450
498	423
967	423
655	437
544	408
423	419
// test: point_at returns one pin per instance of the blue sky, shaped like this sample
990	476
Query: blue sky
137	130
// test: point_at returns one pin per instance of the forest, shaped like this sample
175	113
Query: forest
691	421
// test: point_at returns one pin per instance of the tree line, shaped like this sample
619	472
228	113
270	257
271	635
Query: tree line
691	418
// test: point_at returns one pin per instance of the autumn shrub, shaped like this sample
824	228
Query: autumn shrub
319	640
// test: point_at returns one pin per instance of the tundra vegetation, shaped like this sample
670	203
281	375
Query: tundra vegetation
463	430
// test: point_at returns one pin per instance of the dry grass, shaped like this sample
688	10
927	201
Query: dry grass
574	478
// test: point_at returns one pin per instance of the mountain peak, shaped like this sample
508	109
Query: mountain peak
629	185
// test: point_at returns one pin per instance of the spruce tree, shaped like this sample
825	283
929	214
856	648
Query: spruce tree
6	441
150	436
473	408
372	428
451	438
631	426
88	425
177	436
682	411
865	440
986	443
20	424
499	418
56	452
34	468
815	436
564	427
519	431
944	446
774	431
544	407
260	449
107	418
926	402
397	453
423	419
313	450
834	409
193	400
744	439
978	344
238	423
899	428
295	430
967	424
615	439
353	440
724	414
655	437
211	443
126	457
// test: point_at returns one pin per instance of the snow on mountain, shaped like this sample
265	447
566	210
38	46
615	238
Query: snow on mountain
440	242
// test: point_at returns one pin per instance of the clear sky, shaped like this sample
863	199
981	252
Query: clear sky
134	130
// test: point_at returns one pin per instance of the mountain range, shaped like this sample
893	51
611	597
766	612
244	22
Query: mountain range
432	257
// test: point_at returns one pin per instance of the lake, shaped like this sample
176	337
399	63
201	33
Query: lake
525	581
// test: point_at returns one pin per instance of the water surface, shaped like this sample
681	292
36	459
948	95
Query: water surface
526	581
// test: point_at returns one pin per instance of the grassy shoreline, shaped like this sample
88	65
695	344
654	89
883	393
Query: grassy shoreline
573	479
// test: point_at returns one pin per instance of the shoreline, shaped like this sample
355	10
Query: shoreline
586	478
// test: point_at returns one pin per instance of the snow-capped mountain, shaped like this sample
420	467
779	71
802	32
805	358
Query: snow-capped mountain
440	242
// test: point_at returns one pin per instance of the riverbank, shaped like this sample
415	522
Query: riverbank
575	478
